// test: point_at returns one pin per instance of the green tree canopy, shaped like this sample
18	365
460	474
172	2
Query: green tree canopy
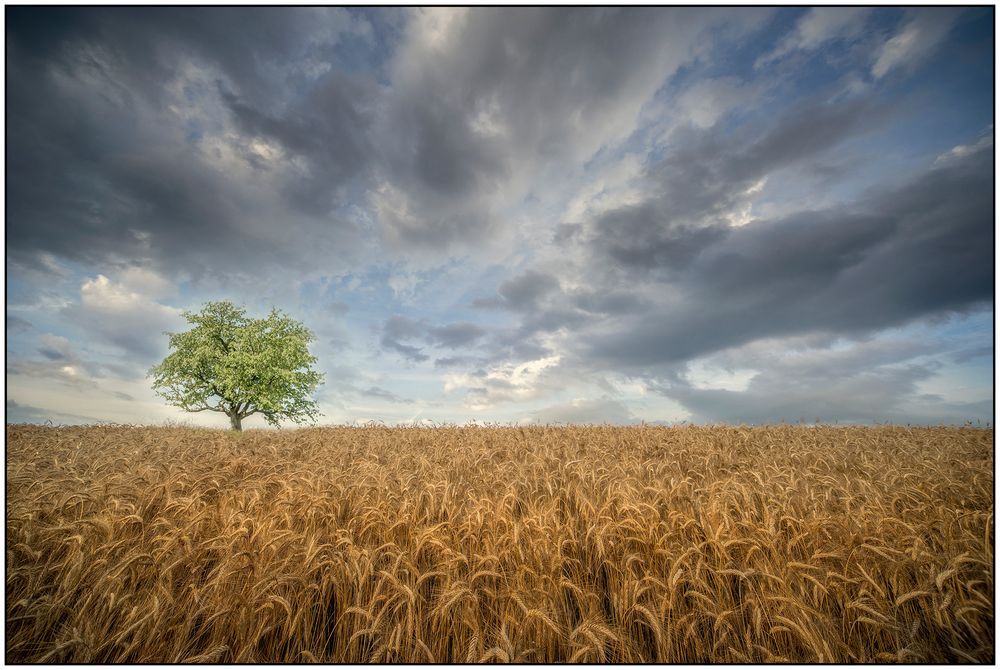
240	366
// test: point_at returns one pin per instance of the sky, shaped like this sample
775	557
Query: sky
510	215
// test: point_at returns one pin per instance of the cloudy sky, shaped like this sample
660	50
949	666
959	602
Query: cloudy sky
511	215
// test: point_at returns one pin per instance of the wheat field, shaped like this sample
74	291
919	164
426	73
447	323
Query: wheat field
475	544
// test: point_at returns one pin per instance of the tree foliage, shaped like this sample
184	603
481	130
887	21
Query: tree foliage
240	366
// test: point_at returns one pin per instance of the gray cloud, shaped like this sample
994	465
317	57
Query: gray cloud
659	242
971	353
817	27
525	290
18	413
55	348
407	351
125	123
163	133
114	313
521	293
344	381
16	324
871	382
272	47
402	328
118	136
641	238
456	127
459	361
606	302
399	329
919	249
383	394
921	33
455	335
330	128
67	369
702	179
872	397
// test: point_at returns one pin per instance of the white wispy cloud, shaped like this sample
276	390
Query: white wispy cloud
919	35
818	27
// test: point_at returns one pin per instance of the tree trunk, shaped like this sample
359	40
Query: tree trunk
235	422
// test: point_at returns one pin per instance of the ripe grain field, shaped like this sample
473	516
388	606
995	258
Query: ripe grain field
582	544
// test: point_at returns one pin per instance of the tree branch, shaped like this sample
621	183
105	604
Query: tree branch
206	407
222	341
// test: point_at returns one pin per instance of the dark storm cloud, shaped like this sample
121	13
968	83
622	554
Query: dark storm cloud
119	123
99	165
260	48
329	127
487	101
920	249
708	173
808	128
105	159
640	237
772	261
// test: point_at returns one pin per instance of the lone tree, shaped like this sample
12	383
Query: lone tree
240	366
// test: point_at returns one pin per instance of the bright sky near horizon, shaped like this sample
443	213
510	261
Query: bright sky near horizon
511	214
